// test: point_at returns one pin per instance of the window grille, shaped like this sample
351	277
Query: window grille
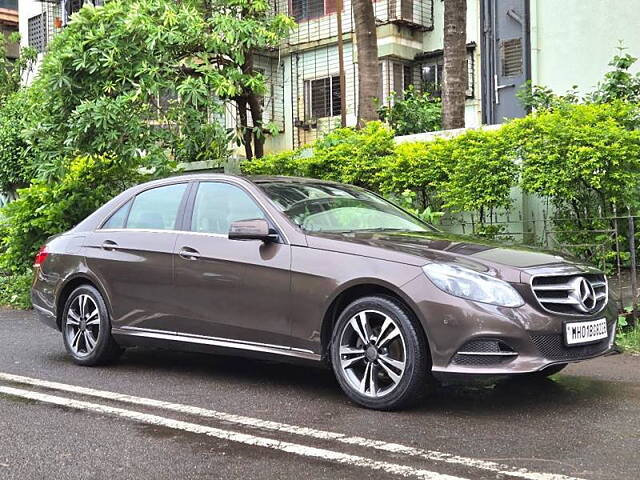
322	97
37	32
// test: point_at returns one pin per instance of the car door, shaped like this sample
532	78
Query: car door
132	256
230	289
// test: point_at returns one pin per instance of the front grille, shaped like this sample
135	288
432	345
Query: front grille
483	352
569	295
552	347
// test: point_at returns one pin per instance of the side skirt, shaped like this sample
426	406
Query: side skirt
138	336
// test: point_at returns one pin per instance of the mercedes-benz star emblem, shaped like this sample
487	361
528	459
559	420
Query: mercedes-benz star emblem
583	294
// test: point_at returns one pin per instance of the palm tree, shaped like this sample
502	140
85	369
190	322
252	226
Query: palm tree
454	83
368	70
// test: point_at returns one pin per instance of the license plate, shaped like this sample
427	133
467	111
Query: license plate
578	333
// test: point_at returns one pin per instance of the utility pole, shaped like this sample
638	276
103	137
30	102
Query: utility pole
343	81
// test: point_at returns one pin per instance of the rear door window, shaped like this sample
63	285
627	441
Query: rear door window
157	208
117	219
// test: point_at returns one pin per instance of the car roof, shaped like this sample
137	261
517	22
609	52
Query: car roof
257	179
285	179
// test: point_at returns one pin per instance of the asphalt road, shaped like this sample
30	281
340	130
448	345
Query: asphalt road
242	418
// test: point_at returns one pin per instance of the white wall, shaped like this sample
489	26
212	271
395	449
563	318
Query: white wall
574	40
26	10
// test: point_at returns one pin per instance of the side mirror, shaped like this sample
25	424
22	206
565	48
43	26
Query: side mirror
252	230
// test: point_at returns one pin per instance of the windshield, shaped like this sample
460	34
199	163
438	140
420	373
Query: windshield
325	207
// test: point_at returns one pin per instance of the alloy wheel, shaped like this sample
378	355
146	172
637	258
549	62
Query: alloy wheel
82	326
372	353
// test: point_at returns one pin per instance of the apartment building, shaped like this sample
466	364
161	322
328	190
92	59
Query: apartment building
9	24
554	43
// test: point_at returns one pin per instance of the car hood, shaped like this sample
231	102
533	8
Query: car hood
420	248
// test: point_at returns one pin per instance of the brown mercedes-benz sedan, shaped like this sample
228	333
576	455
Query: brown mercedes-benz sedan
318	271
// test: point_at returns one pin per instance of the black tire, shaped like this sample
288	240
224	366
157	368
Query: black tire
105	349
414	378
549	371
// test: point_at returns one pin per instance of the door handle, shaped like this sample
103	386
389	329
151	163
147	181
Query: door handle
189	253
110	245
497	87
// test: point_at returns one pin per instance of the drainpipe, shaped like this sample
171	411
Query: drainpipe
535	44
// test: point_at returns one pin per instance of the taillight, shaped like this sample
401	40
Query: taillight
41	256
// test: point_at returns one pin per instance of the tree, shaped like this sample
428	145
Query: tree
368	72
256	13
11	71
455	63
147	81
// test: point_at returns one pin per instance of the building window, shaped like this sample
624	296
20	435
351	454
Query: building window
37	32
395	79
322	97
432	77
302	10
432	70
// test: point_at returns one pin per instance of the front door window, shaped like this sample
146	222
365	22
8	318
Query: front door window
218	205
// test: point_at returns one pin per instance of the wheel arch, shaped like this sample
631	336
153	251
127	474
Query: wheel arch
358	289
69	285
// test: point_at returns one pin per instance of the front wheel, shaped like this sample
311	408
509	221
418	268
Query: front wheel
86	329
379	354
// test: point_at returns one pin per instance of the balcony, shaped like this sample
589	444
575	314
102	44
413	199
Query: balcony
412	14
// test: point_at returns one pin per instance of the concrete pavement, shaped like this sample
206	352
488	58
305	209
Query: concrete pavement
241	418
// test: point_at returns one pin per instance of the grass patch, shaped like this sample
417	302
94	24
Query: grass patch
629	341
15	290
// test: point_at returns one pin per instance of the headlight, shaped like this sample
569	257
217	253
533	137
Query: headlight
465	283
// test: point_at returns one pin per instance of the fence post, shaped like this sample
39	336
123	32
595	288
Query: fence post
634	280
618	261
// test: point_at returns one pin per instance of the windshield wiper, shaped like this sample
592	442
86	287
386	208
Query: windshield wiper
382	229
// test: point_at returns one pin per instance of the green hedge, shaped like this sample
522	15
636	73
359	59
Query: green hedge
15	290
474	171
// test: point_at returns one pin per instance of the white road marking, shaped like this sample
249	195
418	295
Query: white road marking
294	448
396	448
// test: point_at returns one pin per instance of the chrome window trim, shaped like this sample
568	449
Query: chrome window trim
151	230
217	342
586	271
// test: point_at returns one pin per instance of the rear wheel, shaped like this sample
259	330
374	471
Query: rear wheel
86	328
379	355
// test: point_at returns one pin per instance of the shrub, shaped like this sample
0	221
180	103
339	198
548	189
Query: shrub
44	209
353	156
481	173
289	163
16	160
585	158
15	290
420	168
414	112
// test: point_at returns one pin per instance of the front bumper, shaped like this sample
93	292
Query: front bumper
532	339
